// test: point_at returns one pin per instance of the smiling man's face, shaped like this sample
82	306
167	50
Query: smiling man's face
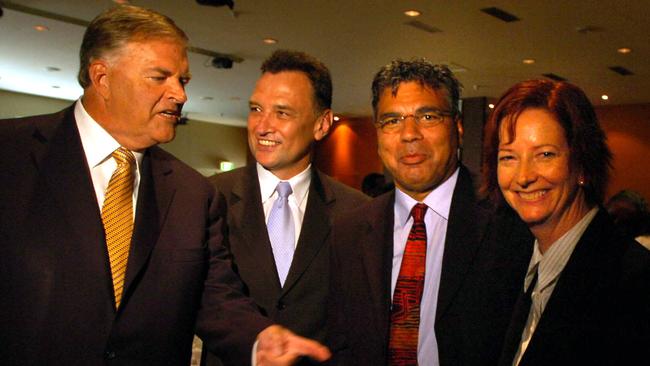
419	158
283	122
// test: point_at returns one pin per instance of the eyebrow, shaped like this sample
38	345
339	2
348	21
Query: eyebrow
424	109
166	72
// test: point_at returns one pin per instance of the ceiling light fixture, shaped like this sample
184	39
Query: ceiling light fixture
624	50
270	40
41	28
528	61
604	97
207	98
491	106
336	118
52	69
412	13
56	87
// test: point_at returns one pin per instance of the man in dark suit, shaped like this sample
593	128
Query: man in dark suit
108	244
423	274
290	109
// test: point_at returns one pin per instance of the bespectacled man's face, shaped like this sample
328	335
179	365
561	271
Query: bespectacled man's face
419	157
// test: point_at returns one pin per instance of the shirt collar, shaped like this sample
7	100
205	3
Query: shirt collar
299	183
550	264
97	143
438	200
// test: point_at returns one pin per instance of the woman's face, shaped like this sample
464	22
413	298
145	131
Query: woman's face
535	176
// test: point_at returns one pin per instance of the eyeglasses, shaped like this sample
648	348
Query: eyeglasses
428	119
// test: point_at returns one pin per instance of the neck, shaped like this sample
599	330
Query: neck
549	232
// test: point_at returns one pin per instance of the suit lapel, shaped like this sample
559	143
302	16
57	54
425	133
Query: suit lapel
377	252
588	269
314	231
59	156
155	195
464	232
248	219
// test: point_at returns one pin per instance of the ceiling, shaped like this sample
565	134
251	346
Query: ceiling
576	39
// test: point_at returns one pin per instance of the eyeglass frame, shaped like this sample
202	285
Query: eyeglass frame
417	116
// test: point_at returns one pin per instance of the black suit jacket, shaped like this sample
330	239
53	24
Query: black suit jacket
301	304
484	256
57	305
599	312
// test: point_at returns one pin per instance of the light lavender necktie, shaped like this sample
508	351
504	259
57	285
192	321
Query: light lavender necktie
281	231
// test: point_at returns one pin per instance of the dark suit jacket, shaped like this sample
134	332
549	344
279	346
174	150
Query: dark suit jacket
599	312
301	304
483	263
57	305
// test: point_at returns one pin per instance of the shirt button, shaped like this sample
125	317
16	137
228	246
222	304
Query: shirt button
281	305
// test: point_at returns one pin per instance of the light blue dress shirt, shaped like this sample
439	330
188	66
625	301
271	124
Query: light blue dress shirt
435	219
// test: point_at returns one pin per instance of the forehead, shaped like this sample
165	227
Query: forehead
156	50
532	124
291	86
412	94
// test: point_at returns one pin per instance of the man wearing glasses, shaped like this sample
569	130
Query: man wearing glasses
417	276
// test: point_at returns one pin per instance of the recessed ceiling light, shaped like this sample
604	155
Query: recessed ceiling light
412	13
337	118
55	87
604	97
235	98
624	50
41	28
528	61
491	106
52	69
207	98
270	40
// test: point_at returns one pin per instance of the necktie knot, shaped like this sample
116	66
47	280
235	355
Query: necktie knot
123	157
418	212
284	189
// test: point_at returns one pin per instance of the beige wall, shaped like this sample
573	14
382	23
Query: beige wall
21	105
201	145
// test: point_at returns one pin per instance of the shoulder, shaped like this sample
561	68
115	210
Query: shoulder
184	177
225	181
45	123
368	211
342	193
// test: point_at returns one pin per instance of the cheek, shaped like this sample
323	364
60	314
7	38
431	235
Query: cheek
504	177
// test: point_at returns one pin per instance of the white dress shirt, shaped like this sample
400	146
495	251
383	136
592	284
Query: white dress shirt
98	145
435	220
297	199
549	266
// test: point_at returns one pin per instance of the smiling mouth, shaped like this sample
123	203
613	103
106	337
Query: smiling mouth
267	142
172	114
532	196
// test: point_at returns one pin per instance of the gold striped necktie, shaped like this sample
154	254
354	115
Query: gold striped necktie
117	216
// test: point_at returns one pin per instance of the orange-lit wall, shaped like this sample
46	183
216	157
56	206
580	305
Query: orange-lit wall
349	153
628	135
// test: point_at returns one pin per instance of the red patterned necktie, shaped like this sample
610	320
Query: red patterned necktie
405	313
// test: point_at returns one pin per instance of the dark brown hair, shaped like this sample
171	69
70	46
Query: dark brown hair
572	109
316	71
